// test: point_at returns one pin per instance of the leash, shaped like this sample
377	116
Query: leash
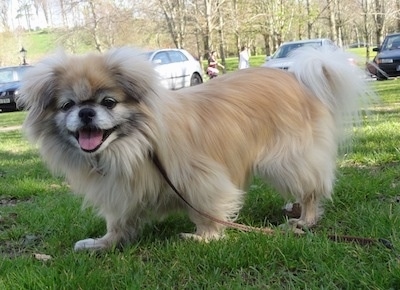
229	224
336	238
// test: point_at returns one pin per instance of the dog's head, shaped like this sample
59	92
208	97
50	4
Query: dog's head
89	101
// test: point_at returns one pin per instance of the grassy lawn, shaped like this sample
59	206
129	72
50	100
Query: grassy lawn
8	120
38	215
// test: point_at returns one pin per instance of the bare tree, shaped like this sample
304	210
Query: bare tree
24	11
331	4
63	12
379	19
366	9
43	5
4	22
204	25
221	35
309	20
209	14
275	21
397	15
94	24
175	12
100	24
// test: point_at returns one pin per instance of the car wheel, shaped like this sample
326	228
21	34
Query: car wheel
196	79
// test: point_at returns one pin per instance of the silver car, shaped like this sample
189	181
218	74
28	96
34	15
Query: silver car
177	68
280	59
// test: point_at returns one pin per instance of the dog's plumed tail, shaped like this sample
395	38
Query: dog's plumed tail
336	81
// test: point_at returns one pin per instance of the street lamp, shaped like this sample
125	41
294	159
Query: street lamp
23	53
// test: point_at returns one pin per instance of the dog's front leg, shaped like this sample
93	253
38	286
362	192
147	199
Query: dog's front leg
118	233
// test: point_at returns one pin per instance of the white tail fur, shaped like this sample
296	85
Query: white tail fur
335	80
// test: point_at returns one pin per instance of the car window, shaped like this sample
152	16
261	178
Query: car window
177	56
20	71
391	43
161	58
6	75
12	74
286	49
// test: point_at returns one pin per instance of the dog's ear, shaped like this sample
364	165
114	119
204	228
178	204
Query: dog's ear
39	84
132	72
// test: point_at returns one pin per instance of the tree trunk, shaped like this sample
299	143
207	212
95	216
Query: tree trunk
221	39
398	15
366	9
332	20
379	18
95	26
309	22
208	25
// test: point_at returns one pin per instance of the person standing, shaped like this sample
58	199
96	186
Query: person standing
244	58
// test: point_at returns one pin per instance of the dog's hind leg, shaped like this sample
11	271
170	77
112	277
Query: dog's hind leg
219	199
305	173
311	211
309	191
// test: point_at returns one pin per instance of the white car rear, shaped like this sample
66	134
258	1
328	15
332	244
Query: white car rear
177	68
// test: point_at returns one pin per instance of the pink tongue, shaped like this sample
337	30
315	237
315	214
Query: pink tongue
90	140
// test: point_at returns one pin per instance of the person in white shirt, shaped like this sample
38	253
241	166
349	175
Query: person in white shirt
244	58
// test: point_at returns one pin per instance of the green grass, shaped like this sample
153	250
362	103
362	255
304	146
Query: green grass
232	63
11	119
39	215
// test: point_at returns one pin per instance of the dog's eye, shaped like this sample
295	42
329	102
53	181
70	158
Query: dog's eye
67	105
109	102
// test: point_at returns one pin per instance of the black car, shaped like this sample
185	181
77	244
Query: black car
388	58
9	84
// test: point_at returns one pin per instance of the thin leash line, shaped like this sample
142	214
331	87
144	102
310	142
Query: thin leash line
266	230
241	227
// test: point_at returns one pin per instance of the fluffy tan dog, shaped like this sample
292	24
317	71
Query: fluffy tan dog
99	119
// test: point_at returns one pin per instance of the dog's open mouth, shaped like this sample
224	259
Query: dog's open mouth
90	139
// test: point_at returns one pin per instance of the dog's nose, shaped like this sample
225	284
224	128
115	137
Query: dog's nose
87	115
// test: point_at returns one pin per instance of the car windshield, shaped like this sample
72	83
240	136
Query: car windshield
11	74
391	43
285	49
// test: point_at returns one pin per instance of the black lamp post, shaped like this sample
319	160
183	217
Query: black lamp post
23	53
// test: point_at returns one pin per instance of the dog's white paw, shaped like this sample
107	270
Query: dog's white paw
88	244
200	238
193	237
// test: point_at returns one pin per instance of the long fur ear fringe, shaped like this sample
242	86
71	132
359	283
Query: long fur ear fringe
41	81
132	71
38	85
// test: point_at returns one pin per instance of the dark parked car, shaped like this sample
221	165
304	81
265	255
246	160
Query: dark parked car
9	84
386	63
